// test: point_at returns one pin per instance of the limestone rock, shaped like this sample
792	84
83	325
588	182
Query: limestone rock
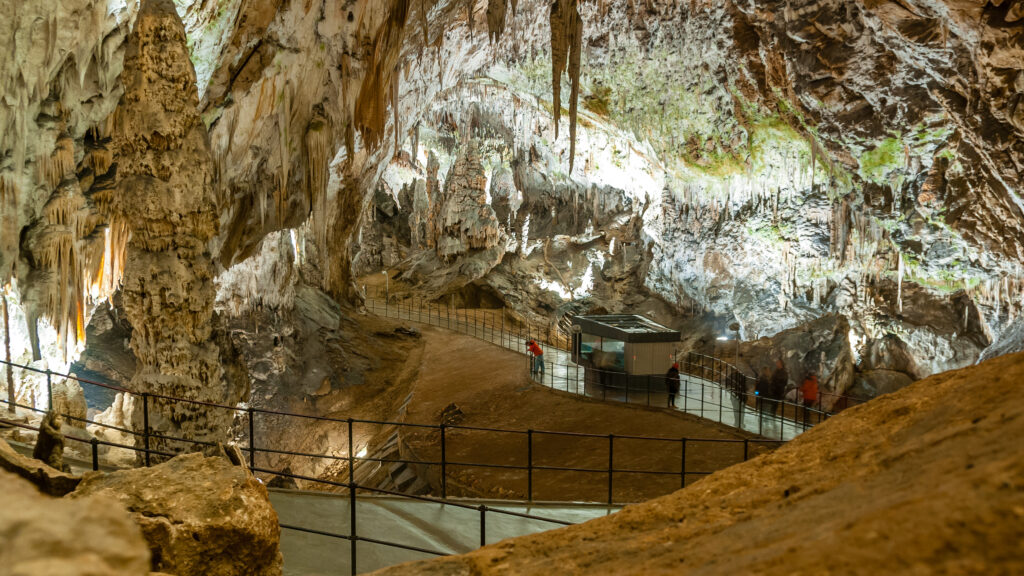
467	222
199	515
166	197
49	480
92	536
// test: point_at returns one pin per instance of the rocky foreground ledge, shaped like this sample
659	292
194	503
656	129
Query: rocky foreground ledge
927	480
189	515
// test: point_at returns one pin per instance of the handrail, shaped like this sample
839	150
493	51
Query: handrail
715	376
381	295
333	419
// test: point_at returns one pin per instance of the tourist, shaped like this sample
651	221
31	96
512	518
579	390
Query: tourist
672	381
809	393
738	387
538	359
777	389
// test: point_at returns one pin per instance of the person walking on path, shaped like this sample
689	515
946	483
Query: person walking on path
809	393
738	387
538	359
777	390
672	381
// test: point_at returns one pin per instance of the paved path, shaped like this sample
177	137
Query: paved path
697	396
439	527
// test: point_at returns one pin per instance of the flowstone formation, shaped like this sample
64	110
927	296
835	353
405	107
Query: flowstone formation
165	197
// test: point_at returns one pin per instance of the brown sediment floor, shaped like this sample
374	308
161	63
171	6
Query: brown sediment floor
927	480
492	389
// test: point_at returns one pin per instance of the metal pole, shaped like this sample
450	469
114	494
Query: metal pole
49	390
746	448
483	525
145	425
611	464
252	439
682	469
529	465
95	453
352	501
444	466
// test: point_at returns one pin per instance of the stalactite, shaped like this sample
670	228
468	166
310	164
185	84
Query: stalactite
394	110
56	166
566	47
469	16
496	12
381	64
284	129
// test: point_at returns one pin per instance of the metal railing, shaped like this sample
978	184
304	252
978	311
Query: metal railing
609	477
726	395
501	326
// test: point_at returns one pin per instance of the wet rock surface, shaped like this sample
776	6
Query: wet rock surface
198	515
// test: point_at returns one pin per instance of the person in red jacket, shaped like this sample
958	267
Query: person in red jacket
809	393
538	359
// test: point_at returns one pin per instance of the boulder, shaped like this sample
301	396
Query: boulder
49	480
92	536
199	515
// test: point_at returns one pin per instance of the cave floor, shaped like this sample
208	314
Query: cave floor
428	525
491	387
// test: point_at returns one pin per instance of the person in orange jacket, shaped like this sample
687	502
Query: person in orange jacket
809	393
538	359
809	389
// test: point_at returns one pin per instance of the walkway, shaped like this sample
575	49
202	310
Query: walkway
698	396
428	525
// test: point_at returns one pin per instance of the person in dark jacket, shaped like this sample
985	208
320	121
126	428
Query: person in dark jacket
777	388
672	381
738	388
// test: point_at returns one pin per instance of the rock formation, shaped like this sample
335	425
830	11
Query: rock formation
48	480
199	515
166	199
80	537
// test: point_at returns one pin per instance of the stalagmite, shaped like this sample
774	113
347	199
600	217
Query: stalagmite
166	199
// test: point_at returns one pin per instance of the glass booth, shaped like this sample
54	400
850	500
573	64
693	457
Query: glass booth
624	355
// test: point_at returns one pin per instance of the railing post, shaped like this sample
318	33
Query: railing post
252	439
529	465
145	425
682	468
611	465
648	389
702	393
444	465
49	390
483	525
746	448
95	453
353	538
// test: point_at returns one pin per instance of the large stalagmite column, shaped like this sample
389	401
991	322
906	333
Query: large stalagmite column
165	196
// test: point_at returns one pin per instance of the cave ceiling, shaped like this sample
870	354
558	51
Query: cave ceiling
788	146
